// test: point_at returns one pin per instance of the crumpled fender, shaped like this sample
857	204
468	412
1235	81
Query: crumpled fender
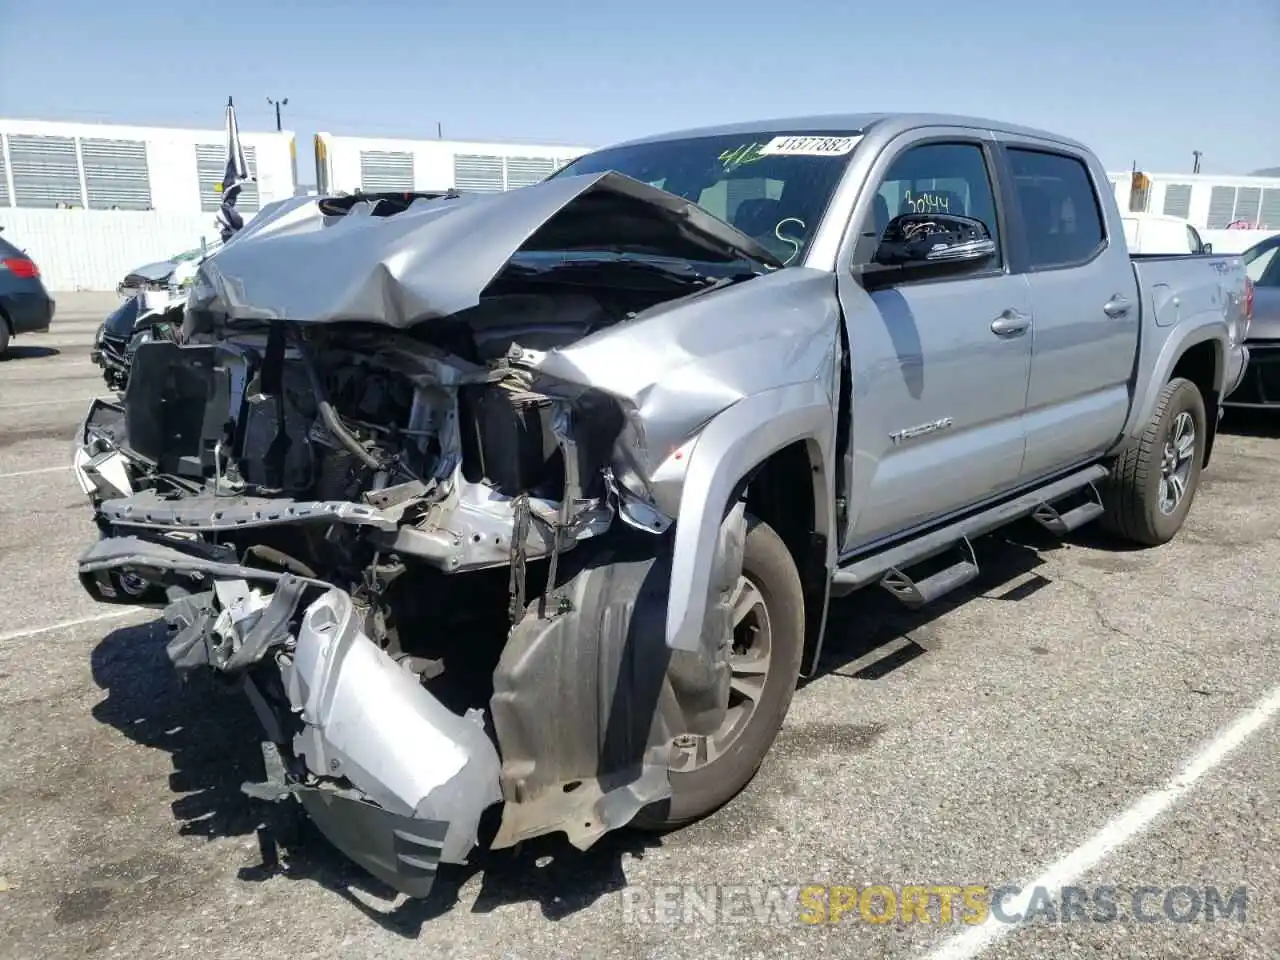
728	448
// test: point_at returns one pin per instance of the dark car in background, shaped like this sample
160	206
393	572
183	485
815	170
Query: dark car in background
25	305
1261	385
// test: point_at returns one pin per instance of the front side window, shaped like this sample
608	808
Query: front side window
938	178
774	186
1060	209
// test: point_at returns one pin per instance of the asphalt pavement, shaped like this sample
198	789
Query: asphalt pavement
1094	721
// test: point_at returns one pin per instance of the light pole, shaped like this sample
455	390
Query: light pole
278	104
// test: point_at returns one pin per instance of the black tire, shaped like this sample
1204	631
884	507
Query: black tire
696	793
1132	494
4	337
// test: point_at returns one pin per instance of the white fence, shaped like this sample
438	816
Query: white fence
94	249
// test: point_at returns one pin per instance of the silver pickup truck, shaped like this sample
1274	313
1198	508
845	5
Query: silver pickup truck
533	503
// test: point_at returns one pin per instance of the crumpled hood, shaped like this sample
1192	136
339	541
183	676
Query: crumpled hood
437	256
151	272
175	268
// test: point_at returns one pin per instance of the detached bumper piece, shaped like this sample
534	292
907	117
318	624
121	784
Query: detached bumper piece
423	774
392	777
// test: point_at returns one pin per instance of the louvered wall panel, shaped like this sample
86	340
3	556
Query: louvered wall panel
1270	216
5	200
116	174
1177	200
525	171
1222	203
386	171
45	171
1248	200
478	173
211	164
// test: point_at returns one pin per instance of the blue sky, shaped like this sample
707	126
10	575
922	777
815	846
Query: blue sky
1138	80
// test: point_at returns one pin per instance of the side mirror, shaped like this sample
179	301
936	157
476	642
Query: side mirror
918	245
1206	248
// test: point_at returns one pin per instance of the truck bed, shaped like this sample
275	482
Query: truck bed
1181	285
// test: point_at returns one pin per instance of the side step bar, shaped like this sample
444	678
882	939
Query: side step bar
916	593
888	565
1063	523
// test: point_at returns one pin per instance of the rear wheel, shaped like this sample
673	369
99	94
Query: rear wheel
768	642
1153	484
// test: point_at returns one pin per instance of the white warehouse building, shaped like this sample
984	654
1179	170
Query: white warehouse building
91	201
1231	212
347	164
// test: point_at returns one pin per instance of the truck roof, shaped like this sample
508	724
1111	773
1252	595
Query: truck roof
886	123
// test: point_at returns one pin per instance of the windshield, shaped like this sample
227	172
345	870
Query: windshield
773	186
1261	261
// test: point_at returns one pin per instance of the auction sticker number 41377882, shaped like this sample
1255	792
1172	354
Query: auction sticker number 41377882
789	146
799	146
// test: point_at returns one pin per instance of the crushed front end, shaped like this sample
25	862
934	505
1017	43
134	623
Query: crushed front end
421	558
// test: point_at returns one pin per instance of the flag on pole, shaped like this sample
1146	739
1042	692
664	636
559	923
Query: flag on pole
235	175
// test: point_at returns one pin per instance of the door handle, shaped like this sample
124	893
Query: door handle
1011	323
1117	306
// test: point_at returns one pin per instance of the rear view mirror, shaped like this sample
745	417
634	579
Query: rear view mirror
916	245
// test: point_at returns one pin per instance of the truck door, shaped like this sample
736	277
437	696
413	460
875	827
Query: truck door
939	366
1085	298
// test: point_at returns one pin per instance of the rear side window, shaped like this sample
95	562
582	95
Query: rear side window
1060	209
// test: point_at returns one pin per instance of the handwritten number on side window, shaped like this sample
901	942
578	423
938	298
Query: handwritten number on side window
928	202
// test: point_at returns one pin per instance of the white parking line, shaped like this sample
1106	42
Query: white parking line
1127	826
81	621
32	473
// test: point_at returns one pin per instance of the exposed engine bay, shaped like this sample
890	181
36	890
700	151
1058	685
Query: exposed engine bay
407	544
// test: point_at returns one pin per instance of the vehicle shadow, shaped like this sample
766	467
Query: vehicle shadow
870	633
211	734
29	352
1251	423
547	871
200	722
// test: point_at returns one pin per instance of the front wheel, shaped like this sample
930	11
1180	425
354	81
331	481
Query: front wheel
768	643
1153	484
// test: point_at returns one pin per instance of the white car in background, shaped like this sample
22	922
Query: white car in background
1157	233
